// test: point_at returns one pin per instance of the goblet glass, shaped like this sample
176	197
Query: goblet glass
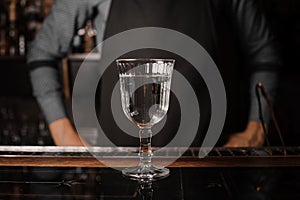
145	93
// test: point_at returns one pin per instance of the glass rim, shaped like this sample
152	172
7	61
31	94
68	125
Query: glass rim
145	59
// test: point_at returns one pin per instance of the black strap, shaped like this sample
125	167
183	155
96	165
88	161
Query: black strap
42	63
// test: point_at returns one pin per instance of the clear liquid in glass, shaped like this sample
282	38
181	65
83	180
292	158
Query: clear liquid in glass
145	98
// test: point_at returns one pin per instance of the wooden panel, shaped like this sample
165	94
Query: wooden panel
121	157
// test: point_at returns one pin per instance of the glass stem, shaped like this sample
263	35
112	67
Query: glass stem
145	152
145	190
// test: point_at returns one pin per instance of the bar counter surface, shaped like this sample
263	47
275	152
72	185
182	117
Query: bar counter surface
72	173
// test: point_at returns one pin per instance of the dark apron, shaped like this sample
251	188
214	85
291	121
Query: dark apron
192	18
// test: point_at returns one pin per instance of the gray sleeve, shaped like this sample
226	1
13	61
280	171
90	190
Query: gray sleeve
47	90
53	40
52	43
260	50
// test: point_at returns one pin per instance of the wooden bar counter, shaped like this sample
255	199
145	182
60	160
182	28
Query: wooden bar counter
124	157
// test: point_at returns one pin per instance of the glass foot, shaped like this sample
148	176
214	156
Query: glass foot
146	172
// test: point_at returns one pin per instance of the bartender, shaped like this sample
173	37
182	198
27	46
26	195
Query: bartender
195	18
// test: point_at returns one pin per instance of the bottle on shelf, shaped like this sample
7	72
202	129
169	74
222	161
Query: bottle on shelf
89	38
85	39
3	27
12	34
34	16
21	23
78	41
47	7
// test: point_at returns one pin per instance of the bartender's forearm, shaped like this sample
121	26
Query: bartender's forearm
64	134
47	90
252	136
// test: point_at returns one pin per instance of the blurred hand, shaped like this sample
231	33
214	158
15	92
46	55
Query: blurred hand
64	134
253	136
